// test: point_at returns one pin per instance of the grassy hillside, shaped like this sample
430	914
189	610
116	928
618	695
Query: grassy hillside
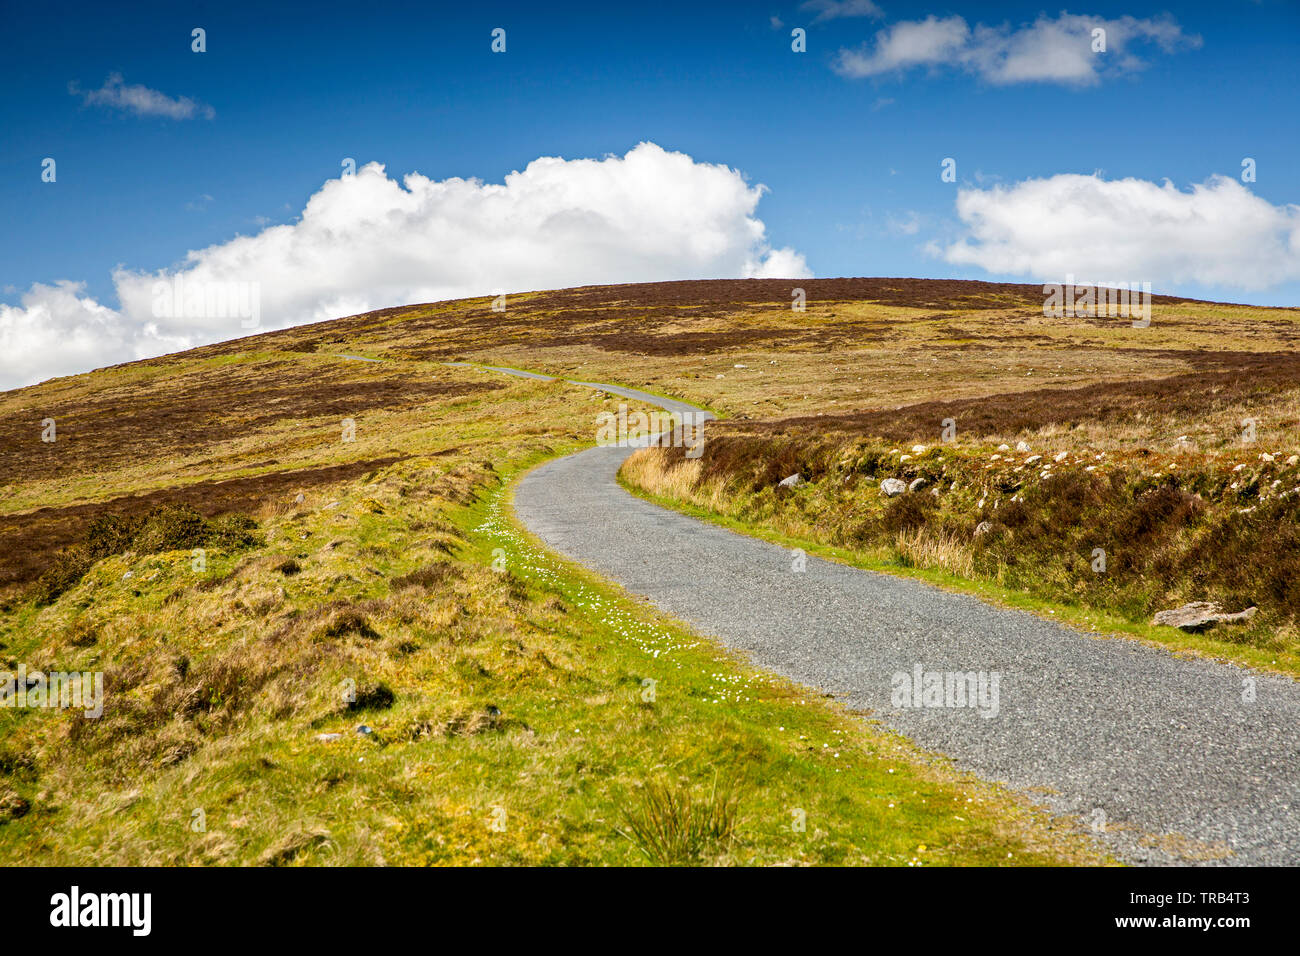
325	642
371	575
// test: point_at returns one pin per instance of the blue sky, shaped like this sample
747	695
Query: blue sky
851	164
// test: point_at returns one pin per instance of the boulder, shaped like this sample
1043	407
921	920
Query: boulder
892	486
791	481
916	483
1201	616
983	528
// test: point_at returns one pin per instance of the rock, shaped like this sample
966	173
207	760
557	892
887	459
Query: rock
1293	461
983	528
1061	457
1265	456
1022	446
1201	616
363	730
740	366
328	738
1033	458
300	498
791	481
918	449
916	483
1004	447
892	486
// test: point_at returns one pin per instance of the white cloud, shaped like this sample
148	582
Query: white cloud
1059	50
141	100
1218	233
909	224
367	241
58	331
909	43
836	9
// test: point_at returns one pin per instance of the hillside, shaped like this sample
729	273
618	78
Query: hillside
289	535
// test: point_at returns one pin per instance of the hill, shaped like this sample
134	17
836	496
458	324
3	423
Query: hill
265	542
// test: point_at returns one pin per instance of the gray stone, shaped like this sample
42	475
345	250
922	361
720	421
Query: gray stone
1201	616
892	486
791	482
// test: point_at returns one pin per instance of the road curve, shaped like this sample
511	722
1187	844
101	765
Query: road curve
1165	756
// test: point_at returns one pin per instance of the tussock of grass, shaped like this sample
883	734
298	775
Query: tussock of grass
673	827
920	548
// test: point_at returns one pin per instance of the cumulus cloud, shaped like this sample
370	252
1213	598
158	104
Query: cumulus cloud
836	9
58	331
1049	50
367	241
1217	233
140	100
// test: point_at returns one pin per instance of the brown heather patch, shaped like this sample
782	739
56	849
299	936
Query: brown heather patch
29	542
662	319
173	416
1236	379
